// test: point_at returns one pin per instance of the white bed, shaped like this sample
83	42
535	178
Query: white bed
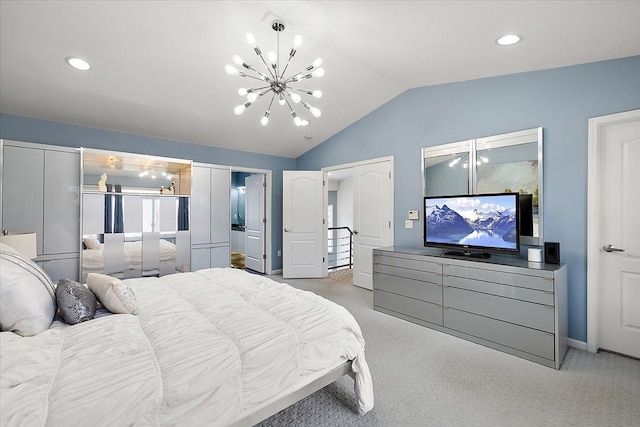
215	347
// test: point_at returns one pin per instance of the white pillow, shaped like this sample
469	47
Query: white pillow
113	294
27	295
92	243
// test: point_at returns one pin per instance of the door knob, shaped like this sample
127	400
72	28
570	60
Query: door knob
286	230
610	248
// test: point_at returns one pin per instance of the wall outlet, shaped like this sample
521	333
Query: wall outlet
414	214
279	252
408	223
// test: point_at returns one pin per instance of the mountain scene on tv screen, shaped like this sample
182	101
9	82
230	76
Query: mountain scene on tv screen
485	224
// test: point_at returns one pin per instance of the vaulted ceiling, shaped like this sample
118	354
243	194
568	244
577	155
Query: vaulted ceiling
158	66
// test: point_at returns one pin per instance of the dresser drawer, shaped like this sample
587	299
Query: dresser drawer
408	287
514	292
521	280
422	310
408	263
522	313
425	276
517	337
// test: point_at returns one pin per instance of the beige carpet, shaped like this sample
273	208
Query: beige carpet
422	377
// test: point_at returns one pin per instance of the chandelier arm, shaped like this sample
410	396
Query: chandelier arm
252	77
249	67
285	67
301	76
271	102
255	89
274	77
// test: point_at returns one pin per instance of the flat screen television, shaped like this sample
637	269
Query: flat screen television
473	225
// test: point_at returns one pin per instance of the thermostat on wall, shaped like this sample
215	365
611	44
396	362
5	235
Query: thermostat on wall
413	214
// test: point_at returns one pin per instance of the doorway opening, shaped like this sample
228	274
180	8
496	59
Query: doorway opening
362	194
250	208
340	225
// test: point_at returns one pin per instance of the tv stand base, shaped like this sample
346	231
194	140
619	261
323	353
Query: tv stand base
482	255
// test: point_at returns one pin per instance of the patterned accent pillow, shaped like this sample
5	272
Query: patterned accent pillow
113	293
76	303
27	295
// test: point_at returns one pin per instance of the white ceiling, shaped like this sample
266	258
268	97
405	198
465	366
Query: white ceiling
158	66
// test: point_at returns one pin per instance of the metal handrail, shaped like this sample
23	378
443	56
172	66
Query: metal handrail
343	250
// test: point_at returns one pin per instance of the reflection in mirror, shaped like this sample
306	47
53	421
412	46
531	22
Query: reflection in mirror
513	169
510	162
131	173
446	169
130	236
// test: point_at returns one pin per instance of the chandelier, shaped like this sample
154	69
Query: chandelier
274	81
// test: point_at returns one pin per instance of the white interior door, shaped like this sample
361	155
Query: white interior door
304	237
619	231
372	203
255	222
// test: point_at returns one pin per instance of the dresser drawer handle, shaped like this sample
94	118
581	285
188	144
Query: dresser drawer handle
549	292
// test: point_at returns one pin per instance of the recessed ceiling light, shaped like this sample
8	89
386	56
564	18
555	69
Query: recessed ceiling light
77	63
509	39
308	137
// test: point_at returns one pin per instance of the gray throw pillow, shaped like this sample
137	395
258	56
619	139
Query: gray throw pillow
76	303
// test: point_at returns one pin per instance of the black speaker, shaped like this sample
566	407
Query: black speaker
552	252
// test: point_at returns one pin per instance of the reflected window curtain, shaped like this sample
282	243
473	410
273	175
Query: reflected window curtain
183	213
118	215
108	213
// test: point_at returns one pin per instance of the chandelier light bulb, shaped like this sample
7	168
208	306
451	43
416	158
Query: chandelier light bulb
317	63
272	57
297	121
316	112
295	97
252	97
251	39
318	73
239	109
264	121
317	94
237	60
281	101
297	41
242	91
230	69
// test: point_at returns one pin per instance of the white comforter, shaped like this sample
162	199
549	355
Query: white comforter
207	348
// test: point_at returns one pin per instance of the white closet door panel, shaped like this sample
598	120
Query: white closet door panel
201	205
61	202
220	257
220	205
22	191
200	258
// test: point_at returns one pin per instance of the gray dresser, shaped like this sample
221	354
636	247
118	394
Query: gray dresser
503	302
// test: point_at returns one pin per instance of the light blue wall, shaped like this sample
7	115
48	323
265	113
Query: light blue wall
560	100
45	132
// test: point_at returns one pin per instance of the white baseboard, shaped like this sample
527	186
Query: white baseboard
580	345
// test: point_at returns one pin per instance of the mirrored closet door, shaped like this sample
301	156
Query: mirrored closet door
135	215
